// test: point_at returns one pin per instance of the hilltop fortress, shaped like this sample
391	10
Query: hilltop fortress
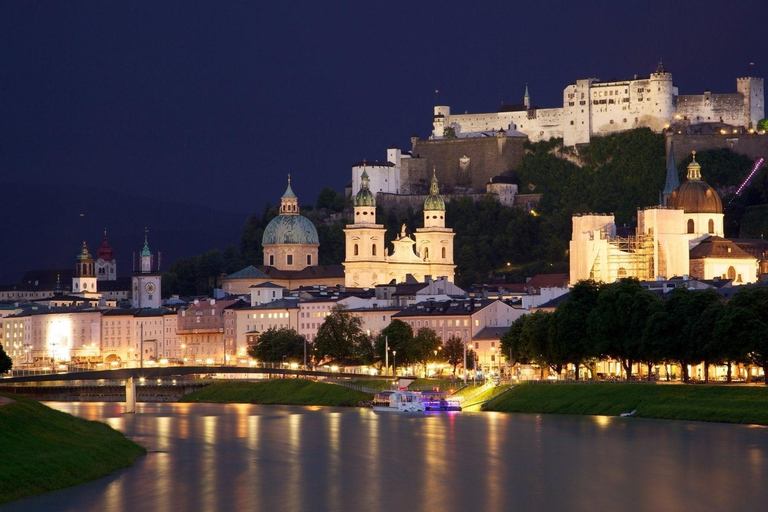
474	154
595	108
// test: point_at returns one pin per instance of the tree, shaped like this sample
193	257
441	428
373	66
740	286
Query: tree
398	335
733	349
704	329
618	321
569	327
278	345
330	200
512	342
679	326
449	132
453	352
423	347
341	336
5	361
746	316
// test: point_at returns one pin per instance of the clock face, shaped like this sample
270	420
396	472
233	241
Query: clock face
150	287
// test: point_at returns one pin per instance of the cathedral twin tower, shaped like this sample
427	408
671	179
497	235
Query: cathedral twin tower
428	254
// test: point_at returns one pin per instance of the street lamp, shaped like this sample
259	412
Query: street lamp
394	363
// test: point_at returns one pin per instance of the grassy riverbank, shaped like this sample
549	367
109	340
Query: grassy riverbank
279	391
727	404
42	450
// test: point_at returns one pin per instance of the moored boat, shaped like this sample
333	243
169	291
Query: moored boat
413	401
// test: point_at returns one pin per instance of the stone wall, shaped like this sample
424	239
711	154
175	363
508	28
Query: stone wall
463	163
752	145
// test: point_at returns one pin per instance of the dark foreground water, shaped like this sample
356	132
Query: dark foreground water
275	458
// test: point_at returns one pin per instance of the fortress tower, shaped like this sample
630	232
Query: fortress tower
754	107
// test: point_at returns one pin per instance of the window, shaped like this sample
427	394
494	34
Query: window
443	252
289	259
357	251
690	226
271	260
373	250
309	259
711	226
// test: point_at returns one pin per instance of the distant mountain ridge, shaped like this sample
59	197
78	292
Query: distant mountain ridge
43	227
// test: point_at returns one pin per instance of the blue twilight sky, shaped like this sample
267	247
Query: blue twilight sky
214	102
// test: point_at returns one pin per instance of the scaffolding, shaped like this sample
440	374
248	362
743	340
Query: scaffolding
631	256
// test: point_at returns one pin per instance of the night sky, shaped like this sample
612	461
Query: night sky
213	103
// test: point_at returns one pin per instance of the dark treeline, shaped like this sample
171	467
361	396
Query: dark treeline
631	325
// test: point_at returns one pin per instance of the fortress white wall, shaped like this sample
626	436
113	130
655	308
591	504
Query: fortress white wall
594	108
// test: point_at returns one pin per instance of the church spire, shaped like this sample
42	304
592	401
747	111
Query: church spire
527	97
672	182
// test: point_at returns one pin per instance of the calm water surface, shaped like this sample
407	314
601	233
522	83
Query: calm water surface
250	457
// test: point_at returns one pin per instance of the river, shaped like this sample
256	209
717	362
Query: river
275	458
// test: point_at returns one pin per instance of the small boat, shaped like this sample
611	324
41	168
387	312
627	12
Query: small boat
413	401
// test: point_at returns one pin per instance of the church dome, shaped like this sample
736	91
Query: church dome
289	227
434	201
364	196
695	196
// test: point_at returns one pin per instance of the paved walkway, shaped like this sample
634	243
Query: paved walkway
5	400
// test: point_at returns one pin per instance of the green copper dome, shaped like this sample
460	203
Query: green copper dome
290	229
365	197
84	254
434	200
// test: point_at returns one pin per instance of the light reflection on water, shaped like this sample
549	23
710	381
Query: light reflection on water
247	457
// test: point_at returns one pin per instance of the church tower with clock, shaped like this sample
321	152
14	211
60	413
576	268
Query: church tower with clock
146	282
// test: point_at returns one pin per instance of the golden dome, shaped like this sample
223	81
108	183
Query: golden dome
695	196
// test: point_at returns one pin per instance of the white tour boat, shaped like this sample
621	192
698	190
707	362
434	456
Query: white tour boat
412	401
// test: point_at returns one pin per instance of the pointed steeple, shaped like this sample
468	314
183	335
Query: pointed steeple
527	97
672	182
288	190
58	290
145	250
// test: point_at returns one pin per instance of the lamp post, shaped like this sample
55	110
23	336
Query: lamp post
490	362
394	363
386	355
465	362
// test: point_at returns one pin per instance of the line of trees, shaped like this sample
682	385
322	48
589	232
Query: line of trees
341	338
632	325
